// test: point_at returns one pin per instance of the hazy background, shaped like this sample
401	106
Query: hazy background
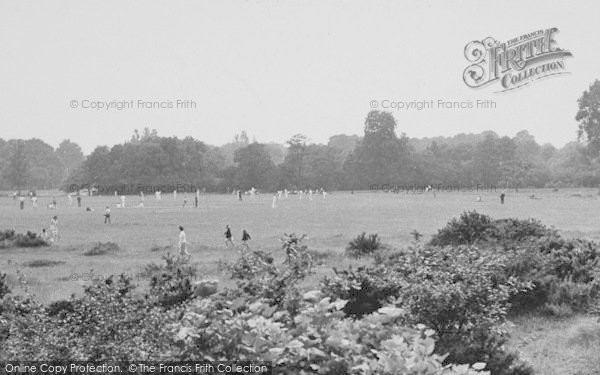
276	68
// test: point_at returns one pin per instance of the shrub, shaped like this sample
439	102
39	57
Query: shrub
258	277
10	239
108	323
536	255
171	282
4	289
253	264
102	248
317	340
363	245
171	288
472	227
171	264
461	293
365	289
469	228
578	296
518	230
43	263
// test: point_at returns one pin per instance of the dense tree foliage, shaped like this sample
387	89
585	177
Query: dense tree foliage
383	156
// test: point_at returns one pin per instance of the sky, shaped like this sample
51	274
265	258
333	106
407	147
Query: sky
276	68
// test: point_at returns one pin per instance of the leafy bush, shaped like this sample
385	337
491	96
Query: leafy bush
461	293
4	289
110	322
562	272
472	227
171	264
469	228
317	340
363	245
365	289
9	239
258	277
102	248
253	264
171	288
536	255
171	283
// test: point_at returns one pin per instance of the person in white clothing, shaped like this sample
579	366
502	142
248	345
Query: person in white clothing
182	243
122	201
107	215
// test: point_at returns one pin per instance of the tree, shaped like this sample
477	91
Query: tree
254	168
17	170
70	155
293	165
588	117
381	157
45	168
241	138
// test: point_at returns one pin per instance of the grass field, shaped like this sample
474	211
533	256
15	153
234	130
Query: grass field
330	223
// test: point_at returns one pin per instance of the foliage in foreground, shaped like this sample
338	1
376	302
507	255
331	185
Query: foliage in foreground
461	293
301	332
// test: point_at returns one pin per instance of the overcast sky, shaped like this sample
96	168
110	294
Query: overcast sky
276	68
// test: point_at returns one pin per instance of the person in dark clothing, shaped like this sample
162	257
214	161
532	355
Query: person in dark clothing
78	200
502	195
245	238
228	237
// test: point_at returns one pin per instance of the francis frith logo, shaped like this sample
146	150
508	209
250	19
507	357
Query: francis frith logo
515	63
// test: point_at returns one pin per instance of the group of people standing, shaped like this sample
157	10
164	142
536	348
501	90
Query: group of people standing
183	248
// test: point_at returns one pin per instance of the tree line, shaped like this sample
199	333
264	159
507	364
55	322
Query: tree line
381	156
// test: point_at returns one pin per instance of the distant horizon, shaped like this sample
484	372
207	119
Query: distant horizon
310	140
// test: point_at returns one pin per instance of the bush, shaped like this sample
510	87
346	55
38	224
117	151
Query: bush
363	245
43	263
4	289
10	239
259	278
253	264
562	272
108	323
536	255
171	282
171	289
461	293
102	248
472	227
317	340
365	289
469	228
